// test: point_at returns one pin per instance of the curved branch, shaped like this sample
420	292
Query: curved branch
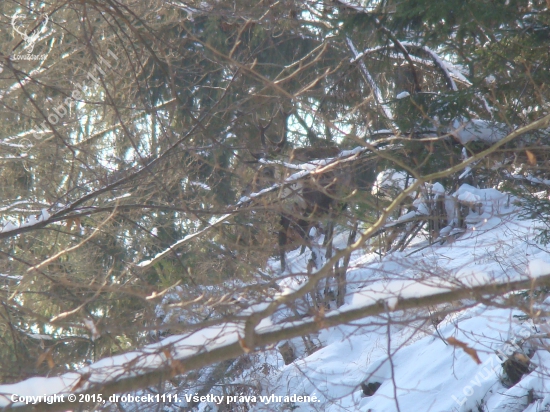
438	63
401	47
370	80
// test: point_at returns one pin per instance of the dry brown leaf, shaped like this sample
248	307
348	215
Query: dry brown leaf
167	353
464	346
177	367
243	344
46	356
83	379
522	358
320	317
73	221
531	158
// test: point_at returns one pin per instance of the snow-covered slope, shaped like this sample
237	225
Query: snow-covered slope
406	352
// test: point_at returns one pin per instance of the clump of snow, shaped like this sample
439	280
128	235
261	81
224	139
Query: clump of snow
438	189
30	221
468	197
539	267
44	214
9	226
390	181
201	185
483	130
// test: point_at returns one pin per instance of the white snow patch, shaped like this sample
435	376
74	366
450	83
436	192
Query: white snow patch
473	130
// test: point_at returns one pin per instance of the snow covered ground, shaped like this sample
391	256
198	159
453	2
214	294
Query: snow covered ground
417	369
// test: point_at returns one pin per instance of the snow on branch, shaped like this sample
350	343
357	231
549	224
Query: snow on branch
48	217
146	263
368	51
370	80
489	132
448	68
439	62
32	222
310	168
449	71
